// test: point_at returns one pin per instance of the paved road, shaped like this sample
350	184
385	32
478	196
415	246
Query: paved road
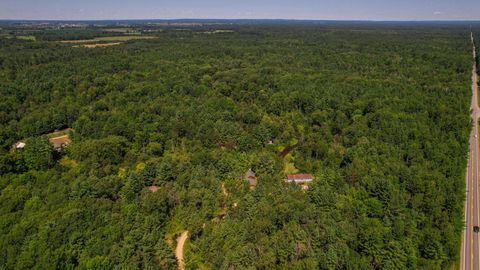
470	241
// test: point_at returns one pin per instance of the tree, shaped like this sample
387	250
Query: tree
38	153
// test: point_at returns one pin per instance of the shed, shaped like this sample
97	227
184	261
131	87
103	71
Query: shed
19	145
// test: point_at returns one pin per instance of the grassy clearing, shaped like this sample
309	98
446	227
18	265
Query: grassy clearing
31	38
59	133
99	45
289	166
123	38
120	30
67	162
218	31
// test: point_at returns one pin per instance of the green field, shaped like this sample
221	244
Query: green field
31	38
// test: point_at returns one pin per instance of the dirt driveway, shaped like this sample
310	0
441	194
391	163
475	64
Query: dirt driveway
179	250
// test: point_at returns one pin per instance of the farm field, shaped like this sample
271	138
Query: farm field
106	39
32	38
180	144
98	45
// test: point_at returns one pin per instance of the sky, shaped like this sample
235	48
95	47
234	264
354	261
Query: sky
241	9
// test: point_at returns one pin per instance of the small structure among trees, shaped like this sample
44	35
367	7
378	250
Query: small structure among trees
301	178
19	145
251	178
59	139
153	188
60	142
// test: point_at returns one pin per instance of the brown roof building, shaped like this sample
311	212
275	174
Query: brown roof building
60	142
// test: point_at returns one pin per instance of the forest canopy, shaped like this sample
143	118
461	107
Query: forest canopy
379	115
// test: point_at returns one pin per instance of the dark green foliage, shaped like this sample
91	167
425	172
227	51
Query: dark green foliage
101	153
38	153
380	116
12	162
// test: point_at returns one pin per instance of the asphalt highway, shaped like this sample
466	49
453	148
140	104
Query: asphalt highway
470	241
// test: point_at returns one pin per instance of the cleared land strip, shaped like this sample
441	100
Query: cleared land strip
114	38
104	41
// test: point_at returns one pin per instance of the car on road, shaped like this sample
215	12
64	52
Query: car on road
476	229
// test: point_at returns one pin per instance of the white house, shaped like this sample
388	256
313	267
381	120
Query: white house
301	178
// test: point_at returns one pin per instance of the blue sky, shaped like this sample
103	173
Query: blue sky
243	9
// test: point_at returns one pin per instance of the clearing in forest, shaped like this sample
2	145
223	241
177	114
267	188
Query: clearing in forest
122	30
31	38
99	45
114	38
219	31
104	41
58	133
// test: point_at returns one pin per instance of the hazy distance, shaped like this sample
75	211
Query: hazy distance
246	9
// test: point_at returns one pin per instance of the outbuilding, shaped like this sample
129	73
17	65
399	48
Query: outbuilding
301	178
19	145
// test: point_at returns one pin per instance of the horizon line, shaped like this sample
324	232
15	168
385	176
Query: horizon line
251	19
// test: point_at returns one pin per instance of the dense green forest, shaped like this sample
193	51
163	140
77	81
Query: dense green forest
379	115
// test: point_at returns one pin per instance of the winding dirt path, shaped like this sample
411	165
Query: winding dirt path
179	250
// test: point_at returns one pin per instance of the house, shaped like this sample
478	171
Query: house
60	142
59	138
19	145
302	178
251	178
